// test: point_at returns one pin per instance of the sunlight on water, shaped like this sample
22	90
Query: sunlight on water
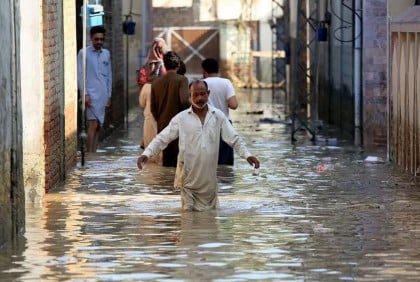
313	213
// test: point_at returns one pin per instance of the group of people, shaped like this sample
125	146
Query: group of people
186	125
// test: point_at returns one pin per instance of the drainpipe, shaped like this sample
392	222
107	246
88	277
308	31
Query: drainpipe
83	134
146	30
357	83
388	90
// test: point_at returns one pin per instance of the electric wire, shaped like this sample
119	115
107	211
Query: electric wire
348	24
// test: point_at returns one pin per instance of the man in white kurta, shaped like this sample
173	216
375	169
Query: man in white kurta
199	129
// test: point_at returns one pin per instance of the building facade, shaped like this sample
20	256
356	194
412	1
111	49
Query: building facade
39	97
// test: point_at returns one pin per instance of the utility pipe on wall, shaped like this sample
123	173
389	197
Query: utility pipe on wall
357	82
83	134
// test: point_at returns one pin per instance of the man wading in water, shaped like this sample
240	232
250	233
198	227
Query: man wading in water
199	129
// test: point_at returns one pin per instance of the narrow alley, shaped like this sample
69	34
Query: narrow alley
314	213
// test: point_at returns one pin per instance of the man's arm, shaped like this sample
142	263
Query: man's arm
109	77
233	103
88	101
80	71
231	137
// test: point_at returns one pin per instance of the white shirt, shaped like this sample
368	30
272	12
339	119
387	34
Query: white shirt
198	154
98	79
98	72
221	89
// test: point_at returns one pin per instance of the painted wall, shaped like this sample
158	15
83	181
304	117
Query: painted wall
397	7
70	85
138	44
5	121
12	196
172	4
32	89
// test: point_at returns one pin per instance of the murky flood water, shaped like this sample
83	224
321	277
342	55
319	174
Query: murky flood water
314	213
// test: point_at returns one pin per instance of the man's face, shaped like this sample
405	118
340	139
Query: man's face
199	95
98	40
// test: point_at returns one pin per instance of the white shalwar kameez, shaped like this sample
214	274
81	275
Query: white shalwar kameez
196	173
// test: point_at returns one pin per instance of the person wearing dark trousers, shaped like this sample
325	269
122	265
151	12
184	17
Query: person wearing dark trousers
169	96
222	97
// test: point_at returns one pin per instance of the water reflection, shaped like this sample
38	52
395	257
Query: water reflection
292	222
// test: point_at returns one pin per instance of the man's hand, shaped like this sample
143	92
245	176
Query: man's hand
141	161
253	161
88	101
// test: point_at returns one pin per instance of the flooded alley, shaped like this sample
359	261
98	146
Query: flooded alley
315	212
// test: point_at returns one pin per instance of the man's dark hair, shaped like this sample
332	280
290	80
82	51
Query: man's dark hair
96	29
210	65
171	60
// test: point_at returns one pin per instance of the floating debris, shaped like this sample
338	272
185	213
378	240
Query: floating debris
274	120
326	140
322	167
374	160
255	112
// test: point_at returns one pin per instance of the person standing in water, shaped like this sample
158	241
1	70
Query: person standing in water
98	84
222	97
169	96
199	129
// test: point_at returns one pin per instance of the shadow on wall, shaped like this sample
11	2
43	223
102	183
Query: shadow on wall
336	106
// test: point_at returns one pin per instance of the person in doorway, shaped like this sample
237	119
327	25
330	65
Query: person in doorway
169	96
199	129
98	84
222	97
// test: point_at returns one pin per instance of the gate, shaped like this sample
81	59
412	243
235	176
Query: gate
192	44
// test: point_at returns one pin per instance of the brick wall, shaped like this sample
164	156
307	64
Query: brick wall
53	93
60	107
374	76
183	16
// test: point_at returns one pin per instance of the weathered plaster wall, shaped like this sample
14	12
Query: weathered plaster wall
70	83
12	199
32	87
116	45
397	7
5	121
138	43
